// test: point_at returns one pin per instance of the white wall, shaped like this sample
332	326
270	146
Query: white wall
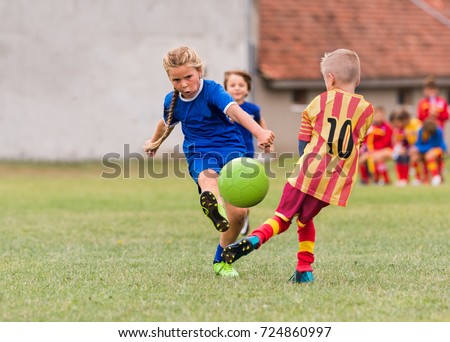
81	78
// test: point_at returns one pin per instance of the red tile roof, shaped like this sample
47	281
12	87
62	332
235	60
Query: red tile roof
394	39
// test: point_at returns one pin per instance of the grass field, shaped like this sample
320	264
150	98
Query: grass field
79	247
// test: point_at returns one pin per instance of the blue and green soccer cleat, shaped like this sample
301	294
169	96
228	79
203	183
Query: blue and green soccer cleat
214	211
225	270
233	252
302	277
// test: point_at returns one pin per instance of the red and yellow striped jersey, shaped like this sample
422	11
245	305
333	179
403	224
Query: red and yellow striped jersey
335	124
379	136
407	136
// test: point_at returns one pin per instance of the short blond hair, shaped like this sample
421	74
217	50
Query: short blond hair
343	64
183	56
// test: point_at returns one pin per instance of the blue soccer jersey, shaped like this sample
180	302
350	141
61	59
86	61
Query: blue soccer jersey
424	144
254	111
210	138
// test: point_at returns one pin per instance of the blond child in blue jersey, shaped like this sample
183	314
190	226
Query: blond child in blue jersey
211	139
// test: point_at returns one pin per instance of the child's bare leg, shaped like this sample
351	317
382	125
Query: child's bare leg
214	209
236	218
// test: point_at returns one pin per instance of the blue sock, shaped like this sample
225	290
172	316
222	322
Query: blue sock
218	256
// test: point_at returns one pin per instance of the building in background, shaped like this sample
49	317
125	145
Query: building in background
399	43
83	78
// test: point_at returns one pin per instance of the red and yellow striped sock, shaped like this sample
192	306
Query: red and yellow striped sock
432	167
418	173
273	226
306	238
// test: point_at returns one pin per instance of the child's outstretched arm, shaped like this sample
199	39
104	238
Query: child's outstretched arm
161	133
263	124
265	137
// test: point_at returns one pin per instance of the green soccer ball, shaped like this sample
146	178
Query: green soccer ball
243	182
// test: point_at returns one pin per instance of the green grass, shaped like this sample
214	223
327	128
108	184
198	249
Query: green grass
78	247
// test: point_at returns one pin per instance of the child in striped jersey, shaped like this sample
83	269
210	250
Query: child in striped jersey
376	150
333	128
406	131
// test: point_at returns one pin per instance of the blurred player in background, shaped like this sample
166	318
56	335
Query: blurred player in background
428	151
434	107
406	131
377	150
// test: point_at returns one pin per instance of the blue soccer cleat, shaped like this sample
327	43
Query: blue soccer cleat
233	252
302	277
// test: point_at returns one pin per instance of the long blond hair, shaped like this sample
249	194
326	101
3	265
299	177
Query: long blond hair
177	57
181	56
154	145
